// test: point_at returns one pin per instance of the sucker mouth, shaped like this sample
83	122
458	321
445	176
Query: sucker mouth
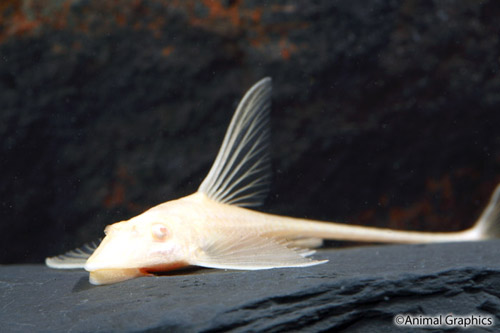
113	275
107	276
162	268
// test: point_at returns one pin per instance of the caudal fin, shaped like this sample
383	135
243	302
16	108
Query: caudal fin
488	224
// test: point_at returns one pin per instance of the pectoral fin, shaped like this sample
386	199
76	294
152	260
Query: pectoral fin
306	242
73	259
251	252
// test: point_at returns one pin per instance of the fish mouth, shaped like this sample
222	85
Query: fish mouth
114	275
162	268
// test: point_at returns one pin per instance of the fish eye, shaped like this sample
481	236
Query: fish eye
159	231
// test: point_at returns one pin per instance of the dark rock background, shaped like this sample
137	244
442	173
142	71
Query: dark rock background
384	112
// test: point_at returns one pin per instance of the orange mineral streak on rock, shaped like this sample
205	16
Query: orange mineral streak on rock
234	20
226	19
17	24
402	217
121	19
117	190
116	195
218	11
287	48
156	26
444	188
167	50
220	18
20	18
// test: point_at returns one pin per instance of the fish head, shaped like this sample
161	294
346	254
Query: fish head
138	247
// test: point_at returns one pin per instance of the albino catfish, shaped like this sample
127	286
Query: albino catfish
212	227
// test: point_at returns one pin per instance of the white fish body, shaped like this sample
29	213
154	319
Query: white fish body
211	228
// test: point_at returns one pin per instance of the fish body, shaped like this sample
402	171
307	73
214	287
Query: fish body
196	230
215	228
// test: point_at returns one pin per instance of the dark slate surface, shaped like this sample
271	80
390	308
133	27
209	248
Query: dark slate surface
359	289
384	112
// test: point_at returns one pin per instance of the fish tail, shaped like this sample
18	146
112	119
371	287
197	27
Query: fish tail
488	224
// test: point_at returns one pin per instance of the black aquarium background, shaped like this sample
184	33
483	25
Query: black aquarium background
385	113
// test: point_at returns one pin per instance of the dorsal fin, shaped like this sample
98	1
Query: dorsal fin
241	172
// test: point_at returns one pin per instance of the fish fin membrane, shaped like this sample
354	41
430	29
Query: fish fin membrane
306	242
73	259
488	223
252	252
241	171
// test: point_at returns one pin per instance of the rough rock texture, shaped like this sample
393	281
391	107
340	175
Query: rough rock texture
385	112
359	290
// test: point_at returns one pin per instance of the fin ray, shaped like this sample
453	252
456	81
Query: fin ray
241	171
307	242
252	252
73	259
488	224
